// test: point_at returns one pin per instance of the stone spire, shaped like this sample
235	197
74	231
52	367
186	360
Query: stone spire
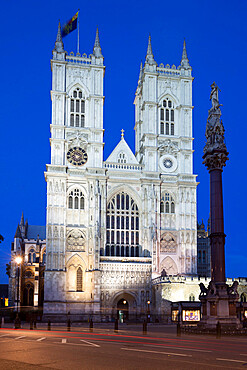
150	57
140	74
22	220
185	61
18	232
59	42
97	49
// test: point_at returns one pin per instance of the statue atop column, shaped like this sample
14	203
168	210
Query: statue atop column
215	152
214	97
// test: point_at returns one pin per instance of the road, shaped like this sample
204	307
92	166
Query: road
160	348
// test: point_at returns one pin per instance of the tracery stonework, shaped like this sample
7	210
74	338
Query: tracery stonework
169	265
168	243
75	241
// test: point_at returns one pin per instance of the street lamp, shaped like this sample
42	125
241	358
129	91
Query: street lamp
18	261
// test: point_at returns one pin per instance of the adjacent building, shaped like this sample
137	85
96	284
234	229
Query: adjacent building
203	250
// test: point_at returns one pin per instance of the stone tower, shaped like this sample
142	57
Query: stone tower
163	130
73	180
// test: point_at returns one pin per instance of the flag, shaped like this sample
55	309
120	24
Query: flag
70	26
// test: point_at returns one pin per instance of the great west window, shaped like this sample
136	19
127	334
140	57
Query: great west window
122	227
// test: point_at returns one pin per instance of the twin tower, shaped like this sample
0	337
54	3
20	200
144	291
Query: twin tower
114	225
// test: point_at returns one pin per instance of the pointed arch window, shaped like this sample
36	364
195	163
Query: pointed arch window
79	281
167	117
31	256
123	227
167	204
44	257
76	199
77	109
28	295
192	298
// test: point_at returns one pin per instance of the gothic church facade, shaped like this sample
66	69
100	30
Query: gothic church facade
114	225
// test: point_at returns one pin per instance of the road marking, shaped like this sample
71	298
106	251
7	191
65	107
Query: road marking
183	349
228	359
23	336
163	353
243	354
64	341
92	344
40	339
4	335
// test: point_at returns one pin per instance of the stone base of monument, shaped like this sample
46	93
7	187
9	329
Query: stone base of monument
219	305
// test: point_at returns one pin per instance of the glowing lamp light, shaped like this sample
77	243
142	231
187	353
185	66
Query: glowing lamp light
124	302
148	302
18	260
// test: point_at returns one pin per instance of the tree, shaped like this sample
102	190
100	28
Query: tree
8	268
1	238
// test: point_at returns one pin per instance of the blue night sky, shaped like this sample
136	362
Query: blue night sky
215	32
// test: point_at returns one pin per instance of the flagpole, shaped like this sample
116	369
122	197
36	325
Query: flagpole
78	35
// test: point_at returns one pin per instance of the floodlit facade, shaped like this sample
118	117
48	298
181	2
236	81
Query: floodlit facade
114	225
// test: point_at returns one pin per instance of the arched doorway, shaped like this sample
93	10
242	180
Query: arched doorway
123	310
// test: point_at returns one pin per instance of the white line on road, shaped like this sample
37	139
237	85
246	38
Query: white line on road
243	354
163	353
184	349
23	336
40	339
64	341
228	359
92	344
4	335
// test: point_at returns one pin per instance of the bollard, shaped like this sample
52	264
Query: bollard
91	324
144	328
218	330
68	324
178	329
34	324
116	326
49	325
31	324
2	322
17	322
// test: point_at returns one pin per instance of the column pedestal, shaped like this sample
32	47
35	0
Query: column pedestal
219	305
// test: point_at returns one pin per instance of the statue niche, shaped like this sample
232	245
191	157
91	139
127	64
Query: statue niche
168	243
75	241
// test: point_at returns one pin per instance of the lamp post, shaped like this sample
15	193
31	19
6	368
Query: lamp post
18	261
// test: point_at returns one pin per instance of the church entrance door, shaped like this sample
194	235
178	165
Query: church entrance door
123	310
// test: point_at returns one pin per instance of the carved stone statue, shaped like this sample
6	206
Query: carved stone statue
163	273
233	289
212	288
214	96
204	290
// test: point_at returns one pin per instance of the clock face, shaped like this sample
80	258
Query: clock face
77	156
